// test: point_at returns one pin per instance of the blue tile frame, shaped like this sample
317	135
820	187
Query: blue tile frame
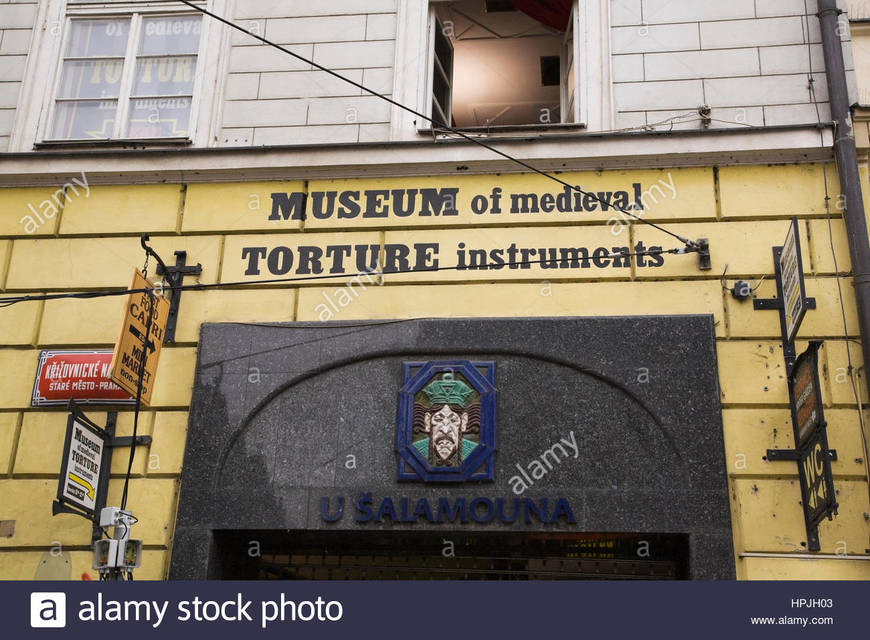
479	466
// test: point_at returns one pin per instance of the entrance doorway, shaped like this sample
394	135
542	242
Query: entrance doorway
446	555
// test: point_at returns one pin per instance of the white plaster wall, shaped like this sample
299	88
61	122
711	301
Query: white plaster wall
17	18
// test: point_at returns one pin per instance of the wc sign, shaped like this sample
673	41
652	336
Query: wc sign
810	434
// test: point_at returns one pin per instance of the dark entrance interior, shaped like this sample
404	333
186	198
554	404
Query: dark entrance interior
447	555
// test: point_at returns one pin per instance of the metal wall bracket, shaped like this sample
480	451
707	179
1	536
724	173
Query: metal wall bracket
775	455
175	277
704	263
127	441
774	304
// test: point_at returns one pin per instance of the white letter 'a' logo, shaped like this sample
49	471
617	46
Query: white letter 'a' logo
48	610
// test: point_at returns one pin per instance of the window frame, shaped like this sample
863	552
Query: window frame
413	83
121	128
37	104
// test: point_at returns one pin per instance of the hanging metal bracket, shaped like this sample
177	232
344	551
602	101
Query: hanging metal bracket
175	278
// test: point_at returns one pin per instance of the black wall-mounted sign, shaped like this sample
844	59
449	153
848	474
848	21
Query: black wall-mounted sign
791	299
811	438
804	392
811	451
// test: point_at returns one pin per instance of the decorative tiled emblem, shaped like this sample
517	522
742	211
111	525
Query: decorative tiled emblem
446	423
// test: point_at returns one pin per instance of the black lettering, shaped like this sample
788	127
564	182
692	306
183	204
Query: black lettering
396	258
526	257
512	256
638	196
639	249
589	202
426	256
551	263
600	259
656	259
254	255
280	261
375	207
496	259
563	201
433	200
524	203
318	210
288	206
620	200
574	258
548	202
361	251
476	259
309	260
399	199
338	253
350	204
623	261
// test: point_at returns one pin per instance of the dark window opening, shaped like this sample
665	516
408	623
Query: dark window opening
424	555
496	6
495	66
550	67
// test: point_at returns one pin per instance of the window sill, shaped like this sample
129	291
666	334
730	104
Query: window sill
119	143
496	130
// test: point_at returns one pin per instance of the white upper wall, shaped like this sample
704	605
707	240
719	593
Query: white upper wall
749	60
271	98
16	27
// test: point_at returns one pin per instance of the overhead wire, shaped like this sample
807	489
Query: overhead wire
104	293
691	244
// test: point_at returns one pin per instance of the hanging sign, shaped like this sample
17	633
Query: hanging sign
137	344
82	376
811	438
82	464
806	396
791	278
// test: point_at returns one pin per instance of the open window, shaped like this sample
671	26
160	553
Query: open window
504	63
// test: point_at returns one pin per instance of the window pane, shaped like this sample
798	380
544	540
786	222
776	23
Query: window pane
93	119
98	38
443	48
170	34
159	117
441	92
91	78
170	75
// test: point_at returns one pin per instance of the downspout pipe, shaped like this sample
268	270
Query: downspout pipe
846	154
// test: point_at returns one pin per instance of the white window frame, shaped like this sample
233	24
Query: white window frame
414	63
36	105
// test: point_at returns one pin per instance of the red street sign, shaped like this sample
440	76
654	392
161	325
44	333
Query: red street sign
82	376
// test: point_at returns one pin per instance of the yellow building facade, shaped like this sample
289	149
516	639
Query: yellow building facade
88	239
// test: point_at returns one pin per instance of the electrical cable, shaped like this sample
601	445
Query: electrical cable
105	293
851	368
145	340
522	163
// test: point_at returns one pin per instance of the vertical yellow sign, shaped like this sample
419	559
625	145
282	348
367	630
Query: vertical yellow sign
136	344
